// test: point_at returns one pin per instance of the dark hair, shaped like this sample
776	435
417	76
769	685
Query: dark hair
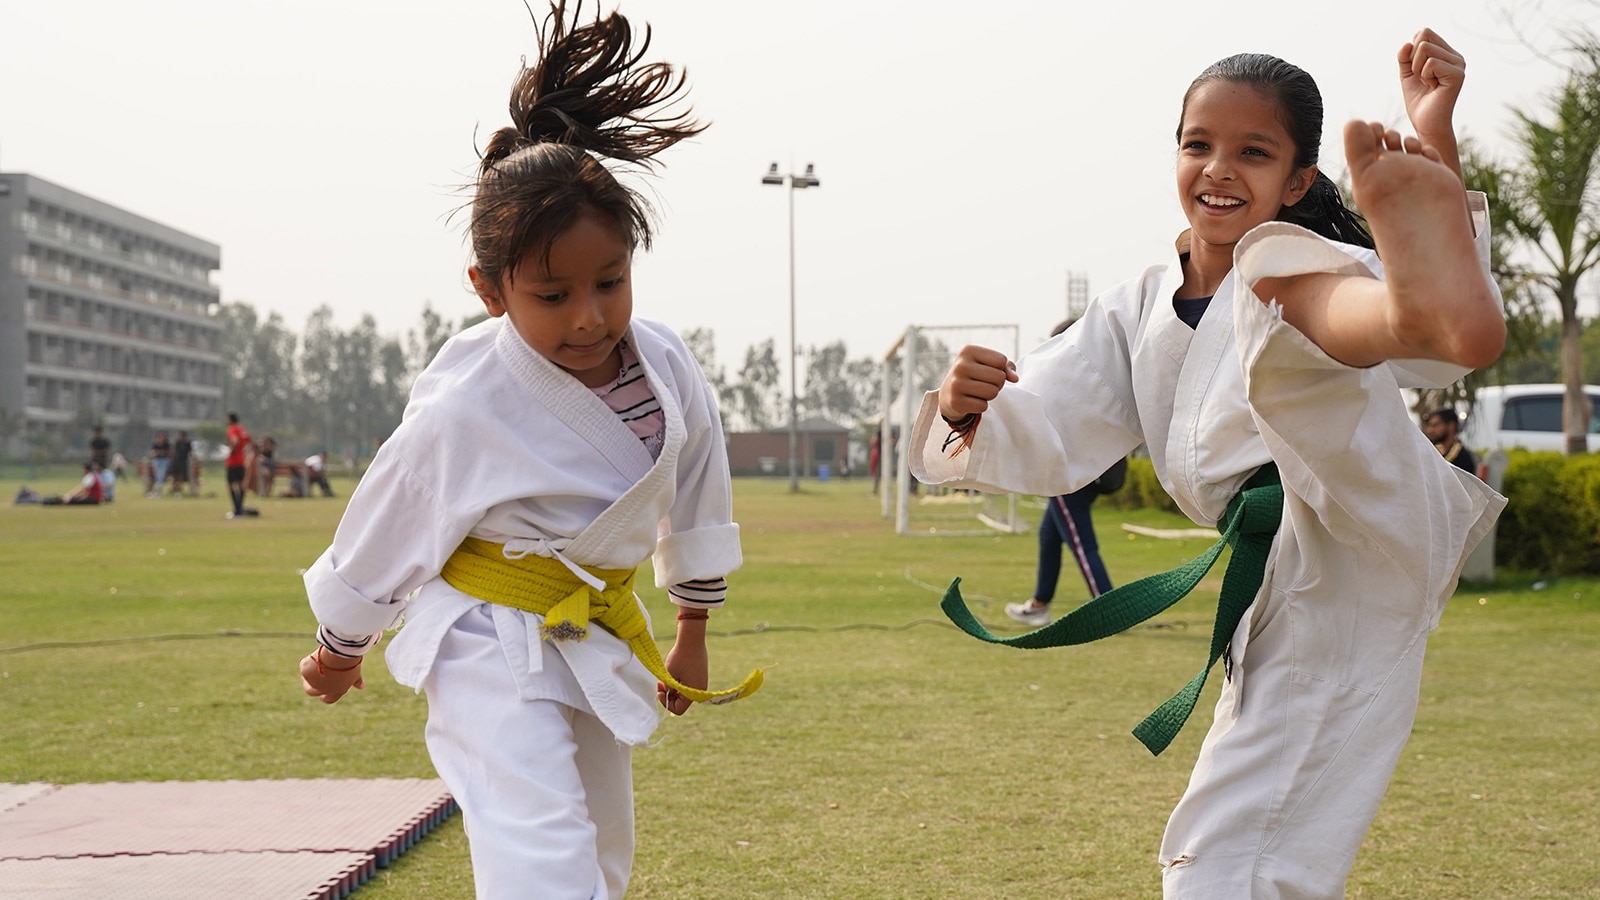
588	96
233	417
1322	209
1446	415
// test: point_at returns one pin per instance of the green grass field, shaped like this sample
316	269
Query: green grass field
887	756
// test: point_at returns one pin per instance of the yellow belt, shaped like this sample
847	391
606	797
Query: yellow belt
545	586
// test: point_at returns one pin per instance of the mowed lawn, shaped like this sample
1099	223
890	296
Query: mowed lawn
887	756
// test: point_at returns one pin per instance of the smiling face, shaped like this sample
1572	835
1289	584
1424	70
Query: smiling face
573	306
1236	164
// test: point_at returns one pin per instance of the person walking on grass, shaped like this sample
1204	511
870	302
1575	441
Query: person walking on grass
1262	367
545	454
1067	521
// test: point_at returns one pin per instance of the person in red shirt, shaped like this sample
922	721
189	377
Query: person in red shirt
88	493
238	440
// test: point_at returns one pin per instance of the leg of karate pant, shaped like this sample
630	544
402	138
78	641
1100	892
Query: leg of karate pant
537	781
1281	796
606	768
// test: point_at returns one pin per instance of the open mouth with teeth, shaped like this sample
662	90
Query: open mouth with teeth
1219	202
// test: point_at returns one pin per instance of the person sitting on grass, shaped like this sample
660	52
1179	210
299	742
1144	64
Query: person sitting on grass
88	493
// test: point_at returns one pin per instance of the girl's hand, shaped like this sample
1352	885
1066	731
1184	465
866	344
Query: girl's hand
1431	75
328	677
686	661
976	378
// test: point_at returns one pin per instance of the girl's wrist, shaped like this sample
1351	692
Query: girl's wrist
336	662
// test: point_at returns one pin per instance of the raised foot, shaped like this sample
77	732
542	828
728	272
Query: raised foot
1441	305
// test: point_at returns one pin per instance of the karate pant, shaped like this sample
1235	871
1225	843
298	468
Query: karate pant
1283	792
546	790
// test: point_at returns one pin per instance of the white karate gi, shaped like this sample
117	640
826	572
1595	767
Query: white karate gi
1327	662
532	737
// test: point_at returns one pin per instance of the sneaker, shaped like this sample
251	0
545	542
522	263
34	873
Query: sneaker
1028	614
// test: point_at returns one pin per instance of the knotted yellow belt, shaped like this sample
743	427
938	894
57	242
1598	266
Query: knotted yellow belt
545	586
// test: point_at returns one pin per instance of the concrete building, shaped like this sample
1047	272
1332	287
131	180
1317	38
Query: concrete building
105	318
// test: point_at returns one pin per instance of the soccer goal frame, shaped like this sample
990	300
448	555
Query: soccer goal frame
924	354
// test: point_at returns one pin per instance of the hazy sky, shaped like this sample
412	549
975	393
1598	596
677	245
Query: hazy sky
970	155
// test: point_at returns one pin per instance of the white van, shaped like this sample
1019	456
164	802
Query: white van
1526	416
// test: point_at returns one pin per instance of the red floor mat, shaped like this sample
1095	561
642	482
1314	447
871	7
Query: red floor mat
273	840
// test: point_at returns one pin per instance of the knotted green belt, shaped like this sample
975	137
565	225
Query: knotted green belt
1248	525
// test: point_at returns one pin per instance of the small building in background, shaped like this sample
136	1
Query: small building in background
820	443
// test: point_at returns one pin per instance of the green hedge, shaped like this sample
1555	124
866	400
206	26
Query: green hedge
1551	524
1140	491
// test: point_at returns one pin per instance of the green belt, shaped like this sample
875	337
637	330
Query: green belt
1248	525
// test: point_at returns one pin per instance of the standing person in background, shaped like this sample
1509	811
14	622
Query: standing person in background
178	471
1067	520
1441	426
266	465
875	458
160	458
545	454
100	448
238	441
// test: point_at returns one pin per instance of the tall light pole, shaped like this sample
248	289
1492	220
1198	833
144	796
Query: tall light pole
796	182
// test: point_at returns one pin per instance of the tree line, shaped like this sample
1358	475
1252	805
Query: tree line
344	390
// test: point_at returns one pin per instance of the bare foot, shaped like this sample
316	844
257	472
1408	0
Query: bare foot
1441	304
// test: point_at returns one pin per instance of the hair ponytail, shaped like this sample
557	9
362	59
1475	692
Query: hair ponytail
587	96
1322	210
588	90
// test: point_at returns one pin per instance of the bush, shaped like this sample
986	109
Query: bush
1142	490
1551	524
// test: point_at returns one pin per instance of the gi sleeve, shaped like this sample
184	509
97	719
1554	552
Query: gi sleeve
394	537
1070	415
697	540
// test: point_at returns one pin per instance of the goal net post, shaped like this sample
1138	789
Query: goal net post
914	365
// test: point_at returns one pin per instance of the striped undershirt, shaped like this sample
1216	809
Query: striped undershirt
630	398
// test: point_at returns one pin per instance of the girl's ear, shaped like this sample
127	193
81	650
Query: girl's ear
487	292
1299	184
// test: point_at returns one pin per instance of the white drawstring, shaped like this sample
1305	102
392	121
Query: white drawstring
517	548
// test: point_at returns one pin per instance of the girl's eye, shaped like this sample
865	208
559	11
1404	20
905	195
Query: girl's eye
551	298
611	283
1195	145
1257	151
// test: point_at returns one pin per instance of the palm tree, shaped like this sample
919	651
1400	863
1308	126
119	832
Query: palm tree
1527	329
1555	211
